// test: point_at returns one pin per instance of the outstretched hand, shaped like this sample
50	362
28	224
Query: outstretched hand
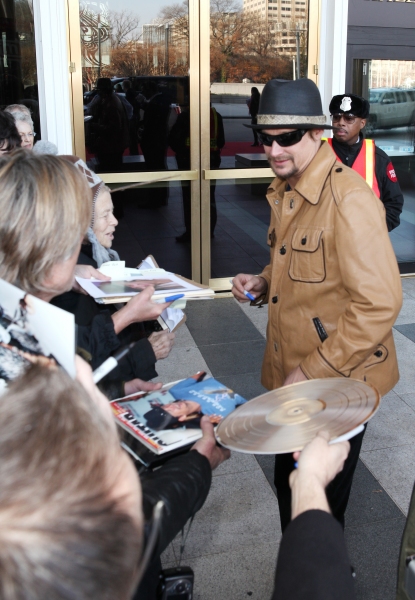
318	464
208	447
140	308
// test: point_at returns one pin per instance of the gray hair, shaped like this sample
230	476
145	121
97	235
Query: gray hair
13	108
19	115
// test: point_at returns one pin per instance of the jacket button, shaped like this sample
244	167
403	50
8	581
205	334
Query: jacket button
283	250
378	353
275	347
339	170
275	300
304	241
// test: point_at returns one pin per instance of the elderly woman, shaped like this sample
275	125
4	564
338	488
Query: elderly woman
24	124
45	211
95	250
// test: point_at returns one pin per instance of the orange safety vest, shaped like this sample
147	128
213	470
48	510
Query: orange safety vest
364	163
213	130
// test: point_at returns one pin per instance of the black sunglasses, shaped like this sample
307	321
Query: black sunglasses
349	118
283	139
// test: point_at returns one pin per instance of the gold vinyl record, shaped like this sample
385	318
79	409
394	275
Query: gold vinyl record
286	419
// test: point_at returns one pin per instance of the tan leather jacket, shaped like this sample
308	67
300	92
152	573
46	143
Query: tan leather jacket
333	274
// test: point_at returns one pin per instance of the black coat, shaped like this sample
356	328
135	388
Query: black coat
183	484
96	336
390	191
313	561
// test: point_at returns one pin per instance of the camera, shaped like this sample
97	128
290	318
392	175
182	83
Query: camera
176	584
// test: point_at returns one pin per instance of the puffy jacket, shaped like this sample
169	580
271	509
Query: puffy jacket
334	288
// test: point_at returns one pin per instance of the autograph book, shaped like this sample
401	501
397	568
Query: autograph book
168	420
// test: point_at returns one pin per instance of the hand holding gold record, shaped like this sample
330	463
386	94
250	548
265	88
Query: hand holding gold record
286	419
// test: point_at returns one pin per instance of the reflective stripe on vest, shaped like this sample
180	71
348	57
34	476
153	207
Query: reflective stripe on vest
364	163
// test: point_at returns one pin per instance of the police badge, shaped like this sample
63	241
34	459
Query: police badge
346	104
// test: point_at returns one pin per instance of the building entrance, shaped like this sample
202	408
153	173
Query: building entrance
161	100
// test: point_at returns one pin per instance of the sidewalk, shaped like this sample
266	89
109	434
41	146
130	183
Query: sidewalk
233	542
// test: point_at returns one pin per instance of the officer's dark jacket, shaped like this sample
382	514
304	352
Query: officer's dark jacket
390	191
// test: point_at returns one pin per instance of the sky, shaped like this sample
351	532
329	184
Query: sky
147	10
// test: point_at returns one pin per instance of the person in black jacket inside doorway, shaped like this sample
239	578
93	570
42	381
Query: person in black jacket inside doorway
349	114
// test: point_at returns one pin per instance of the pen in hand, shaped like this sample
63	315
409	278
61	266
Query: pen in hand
247	294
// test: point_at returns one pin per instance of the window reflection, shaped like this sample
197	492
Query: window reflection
136	83
18	71
252	42
391	92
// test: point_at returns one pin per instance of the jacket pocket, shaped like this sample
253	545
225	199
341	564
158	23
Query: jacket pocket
307	256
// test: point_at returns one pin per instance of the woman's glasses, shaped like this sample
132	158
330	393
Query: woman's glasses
283	139
349	118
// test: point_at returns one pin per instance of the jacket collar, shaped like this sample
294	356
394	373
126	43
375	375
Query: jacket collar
314	177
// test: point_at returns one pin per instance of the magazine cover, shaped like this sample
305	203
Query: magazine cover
32	331
170	418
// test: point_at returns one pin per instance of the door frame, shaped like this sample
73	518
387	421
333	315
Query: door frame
200	173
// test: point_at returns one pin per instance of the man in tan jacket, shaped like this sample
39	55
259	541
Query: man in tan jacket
333	284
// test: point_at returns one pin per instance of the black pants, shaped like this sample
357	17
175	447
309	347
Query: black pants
338	491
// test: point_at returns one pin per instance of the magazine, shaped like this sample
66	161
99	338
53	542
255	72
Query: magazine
135	281
126	283
33	331
168	419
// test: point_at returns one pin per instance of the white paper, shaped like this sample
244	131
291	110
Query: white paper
38	327
172	317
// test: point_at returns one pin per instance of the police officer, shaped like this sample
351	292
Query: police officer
349	114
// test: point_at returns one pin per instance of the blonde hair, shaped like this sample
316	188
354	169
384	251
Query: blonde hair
61	533
45	210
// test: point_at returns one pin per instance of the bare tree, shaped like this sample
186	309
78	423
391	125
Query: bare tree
229	26
261	37
124	27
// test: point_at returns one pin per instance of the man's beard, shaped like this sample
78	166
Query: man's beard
293	171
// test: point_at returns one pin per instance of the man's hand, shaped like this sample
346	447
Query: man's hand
86	272
254	284
140	308
207	445
161	342
138	385
295	376
318	464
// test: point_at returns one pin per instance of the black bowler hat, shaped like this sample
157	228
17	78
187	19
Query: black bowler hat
290	104
349	103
